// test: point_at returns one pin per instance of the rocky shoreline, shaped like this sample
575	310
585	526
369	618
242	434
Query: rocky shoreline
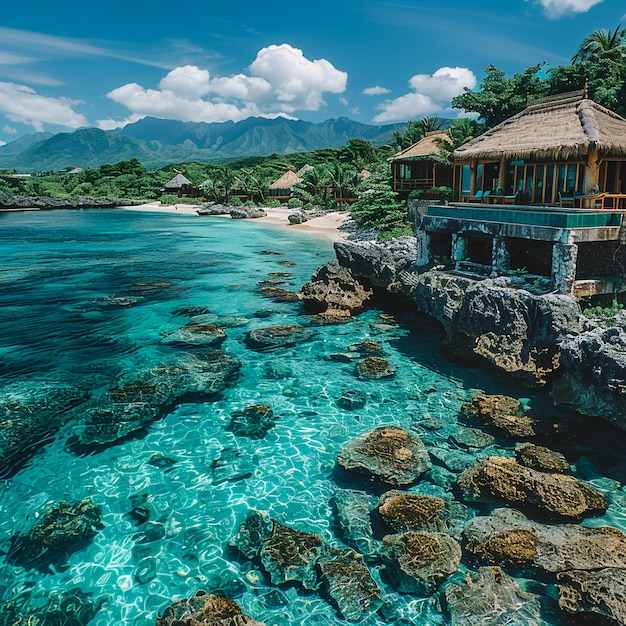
540	339
44	203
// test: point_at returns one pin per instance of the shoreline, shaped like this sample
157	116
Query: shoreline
326	225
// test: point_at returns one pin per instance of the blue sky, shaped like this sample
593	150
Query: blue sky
65	66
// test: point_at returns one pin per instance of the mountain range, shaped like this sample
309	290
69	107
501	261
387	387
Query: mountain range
156	142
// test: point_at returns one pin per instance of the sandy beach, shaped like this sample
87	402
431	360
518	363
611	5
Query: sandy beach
327	225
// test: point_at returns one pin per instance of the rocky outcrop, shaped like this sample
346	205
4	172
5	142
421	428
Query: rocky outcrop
508	536
541	458
412	511
601	592
417	562
388	455
332	289
246	213
503	415
197	334
45	203
491	598
553	496
594	381
288	554
205	609
492	319
379	263
374	368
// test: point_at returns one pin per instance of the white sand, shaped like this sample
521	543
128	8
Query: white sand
328	224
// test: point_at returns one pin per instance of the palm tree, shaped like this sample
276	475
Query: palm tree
429	124
600	43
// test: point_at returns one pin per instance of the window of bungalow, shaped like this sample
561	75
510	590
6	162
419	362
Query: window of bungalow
548	196
613	176
479	177
528	183
538	190
462	181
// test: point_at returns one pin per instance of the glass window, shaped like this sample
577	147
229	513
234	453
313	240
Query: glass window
549	185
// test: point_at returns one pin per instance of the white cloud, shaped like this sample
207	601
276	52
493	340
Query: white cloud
23	105
280	81
3	143
376	91
558	8
344	101
111	124
431	94
9	130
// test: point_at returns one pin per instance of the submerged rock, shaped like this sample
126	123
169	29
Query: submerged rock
138	400
417	562
191	310
553	496
491	598
508	536
388	454
352	399
353	516
350	584
600	592
367	348
67	608
277	337
30	412
205	610
252	534
279	295
374	368
290	554
231	464
253	422
403	511
63	529
197	335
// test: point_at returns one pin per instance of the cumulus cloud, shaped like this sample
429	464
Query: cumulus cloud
23	105
431	94
111	124
9	130
558	8
280	81
376	91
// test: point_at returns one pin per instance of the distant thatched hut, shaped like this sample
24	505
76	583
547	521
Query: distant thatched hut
282	189
182	187
422	166
555	151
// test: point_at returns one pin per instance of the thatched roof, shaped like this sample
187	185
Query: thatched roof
561	128
178	181
286	181
428	147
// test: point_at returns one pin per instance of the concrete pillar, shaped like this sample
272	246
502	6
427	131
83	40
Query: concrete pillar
423	248
499	255
459	249
564	266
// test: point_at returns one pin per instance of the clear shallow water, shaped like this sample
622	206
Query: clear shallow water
58	272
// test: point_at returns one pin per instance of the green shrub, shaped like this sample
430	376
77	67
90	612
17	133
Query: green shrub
294	203
235	201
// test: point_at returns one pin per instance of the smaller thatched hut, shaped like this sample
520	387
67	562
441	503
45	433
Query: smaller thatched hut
422	166
558	149
182	187
282	189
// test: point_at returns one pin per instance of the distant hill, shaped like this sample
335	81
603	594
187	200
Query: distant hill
157	142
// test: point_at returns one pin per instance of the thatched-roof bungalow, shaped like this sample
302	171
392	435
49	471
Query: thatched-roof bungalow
555	152
543	193
181	186
421	166
282	189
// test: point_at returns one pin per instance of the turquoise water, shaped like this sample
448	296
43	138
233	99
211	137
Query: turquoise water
89	295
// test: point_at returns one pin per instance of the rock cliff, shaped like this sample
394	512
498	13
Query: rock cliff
538	338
